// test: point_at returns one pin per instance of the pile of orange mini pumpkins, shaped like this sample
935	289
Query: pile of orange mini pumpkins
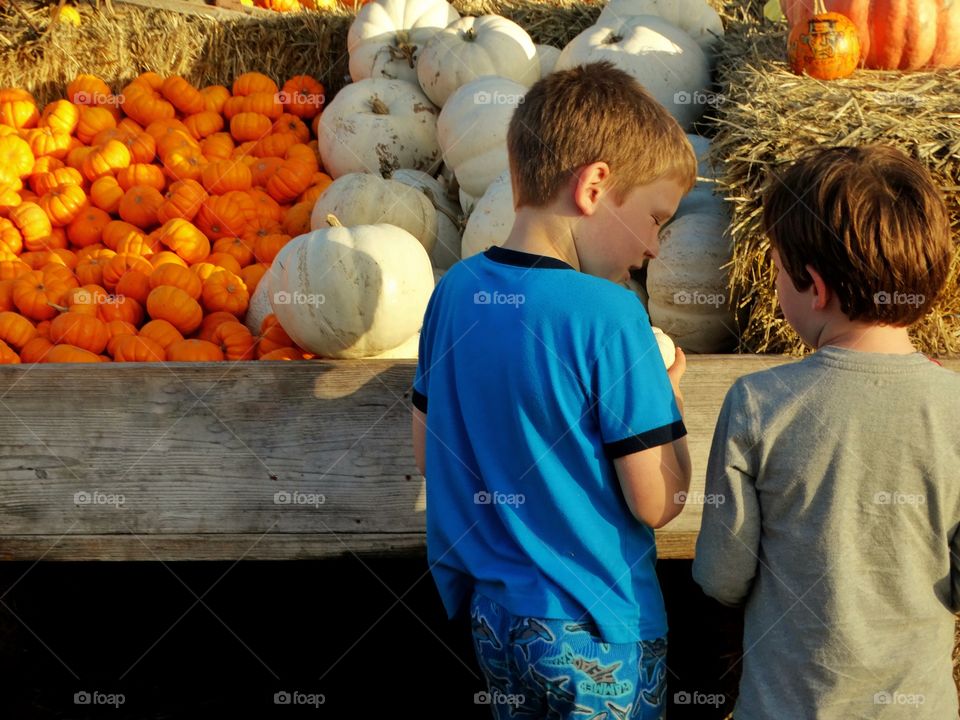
136	226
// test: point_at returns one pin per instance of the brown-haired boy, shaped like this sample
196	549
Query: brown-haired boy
554	441
840	472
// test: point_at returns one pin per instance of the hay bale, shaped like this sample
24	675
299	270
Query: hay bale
214	50
770	116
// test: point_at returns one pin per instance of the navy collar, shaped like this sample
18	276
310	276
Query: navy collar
523	259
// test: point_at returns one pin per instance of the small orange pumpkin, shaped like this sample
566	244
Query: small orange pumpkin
161	331
176	307
225	291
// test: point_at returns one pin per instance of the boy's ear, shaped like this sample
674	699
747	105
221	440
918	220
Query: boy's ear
821	292
589	186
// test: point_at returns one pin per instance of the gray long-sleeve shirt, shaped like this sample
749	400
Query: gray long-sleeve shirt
837	486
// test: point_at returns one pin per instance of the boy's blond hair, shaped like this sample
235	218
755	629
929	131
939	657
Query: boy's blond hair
592	113
872	222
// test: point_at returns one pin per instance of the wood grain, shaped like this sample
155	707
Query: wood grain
196	461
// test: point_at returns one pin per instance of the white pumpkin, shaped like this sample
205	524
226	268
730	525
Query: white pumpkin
352	292
377	126
702	198
259	306
668	351
472	47
492	219
365	199
472	130
386	36
695	17
446	251
548	55
662	57
407	350
687	284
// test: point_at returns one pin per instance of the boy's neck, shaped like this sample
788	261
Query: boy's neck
865	337
543	234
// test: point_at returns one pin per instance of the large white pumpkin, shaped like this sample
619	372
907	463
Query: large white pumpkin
548	55
696	17
467	201
472	47
386	36
687	284
662	57
472	130
352	292
446	251
377	126
365	199
492	219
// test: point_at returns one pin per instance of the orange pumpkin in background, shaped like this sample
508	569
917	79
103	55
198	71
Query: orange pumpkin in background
825	46
893	34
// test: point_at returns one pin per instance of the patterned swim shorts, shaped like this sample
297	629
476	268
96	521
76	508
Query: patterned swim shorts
541	668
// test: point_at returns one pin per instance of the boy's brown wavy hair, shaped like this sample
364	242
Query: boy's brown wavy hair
871	221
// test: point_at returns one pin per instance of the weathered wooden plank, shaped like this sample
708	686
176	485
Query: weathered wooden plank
260	460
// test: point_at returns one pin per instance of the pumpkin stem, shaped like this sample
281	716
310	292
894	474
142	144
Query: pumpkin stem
403	51
613	39
332	221
379	107
470	35
440	209
819	8
61	308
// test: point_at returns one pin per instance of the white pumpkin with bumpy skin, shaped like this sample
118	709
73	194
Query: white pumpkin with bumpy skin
687	284
446	251
492	218
472	130
377	126
386	36
352	292
365	199
473	47
700	21
548	55
662	57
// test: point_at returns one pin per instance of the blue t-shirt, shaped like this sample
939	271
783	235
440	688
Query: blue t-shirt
534	376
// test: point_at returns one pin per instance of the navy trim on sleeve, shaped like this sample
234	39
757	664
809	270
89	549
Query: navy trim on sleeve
645	440
420	402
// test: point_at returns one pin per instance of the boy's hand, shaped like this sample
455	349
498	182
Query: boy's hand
675	372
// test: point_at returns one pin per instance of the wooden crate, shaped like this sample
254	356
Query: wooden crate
199	453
